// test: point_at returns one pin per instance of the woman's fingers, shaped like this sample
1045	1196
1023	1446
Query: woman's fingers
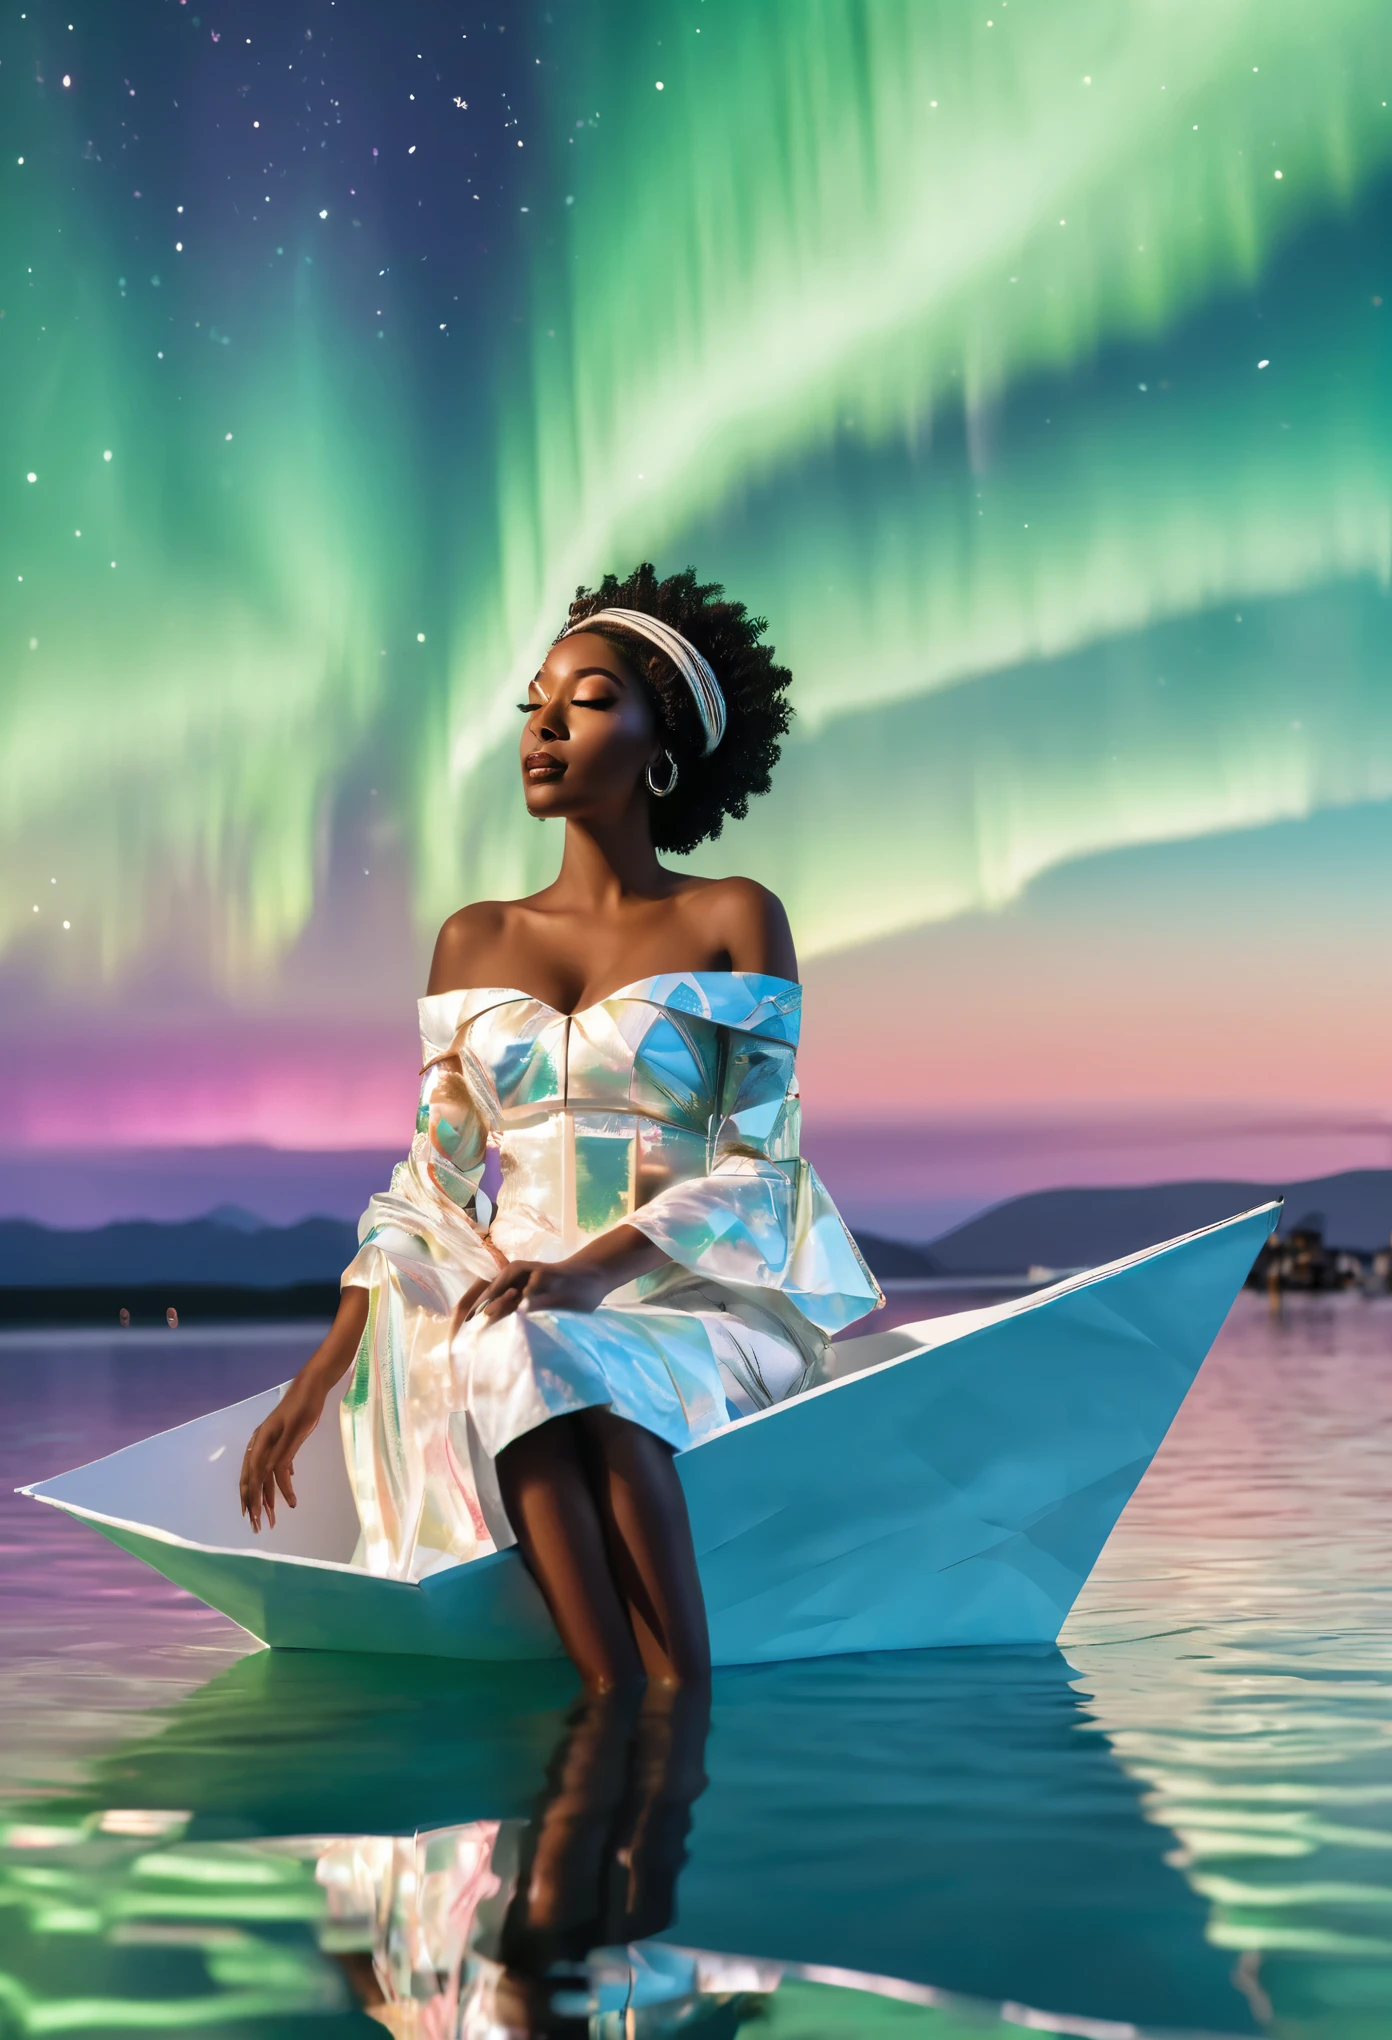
484	1295
269	1457
281	1466
251	1477
540	1285
511	1281
465	1306
526	1282
532	1277
252	1482
504	1306
504	1303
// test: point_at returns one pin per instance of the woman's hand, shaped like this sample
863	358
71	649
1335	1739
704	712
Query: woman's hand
270	1456
581	1282
541	1285
269	1460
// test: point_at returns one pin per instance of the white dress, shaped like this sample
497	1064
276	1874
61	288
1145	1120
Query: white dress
670	1106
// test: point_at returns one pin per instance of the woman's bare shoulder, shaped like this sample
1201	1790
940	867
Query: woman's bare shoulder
463	945
747	921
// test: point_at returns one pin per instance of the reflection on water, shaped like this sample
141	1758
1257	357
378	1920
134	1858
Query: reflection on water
527	1925
944	1819
1237	1642
1176	1823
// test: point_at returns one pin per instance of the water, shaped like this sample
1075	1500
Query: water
1181	1821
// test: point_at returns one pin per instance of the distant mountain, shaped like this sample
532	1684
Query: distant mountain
231	1250
235	1215
277	1186
1081	1228
893	1260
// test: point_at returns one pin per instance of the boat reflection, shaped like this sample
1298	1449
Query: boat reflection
452	1853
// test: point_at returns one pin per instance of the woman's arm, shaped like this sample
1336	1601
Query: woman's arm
269	1461
270	1457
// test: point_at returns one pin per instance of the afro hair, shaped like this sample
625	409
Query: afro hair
755	687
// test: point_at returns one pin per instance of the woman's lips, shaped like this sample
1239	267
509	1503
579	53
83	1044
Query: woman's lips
541	765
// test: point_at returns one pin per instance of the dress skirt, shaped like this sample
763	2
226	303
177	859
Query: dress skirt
425	1417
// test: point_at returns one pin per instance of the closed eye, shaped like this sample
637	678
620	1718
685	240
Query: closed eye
599	701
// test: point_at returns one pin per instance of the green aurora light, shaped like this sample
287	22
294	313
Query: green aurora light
935	334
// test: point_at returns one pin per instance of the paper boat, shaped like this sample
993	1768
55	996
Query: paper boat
953	1484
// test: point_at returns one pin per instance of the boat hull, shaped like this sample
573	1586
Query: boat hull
953	1486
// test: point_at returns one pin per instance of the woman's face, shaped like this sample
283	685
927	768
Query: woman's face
590	734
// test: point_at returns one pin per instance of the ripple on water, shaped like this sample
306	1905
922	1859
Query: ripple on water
1236	1644
1184	1821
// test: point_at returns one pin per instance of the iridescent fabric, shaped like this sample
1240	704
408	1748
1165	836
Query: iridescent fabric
429	1910
670	1106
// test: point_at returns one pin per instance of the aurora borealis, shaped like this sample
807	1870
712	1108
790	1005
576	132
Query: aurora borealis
1024	362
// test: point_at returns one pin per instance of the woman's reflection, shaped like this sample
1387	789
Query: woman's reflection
530	1928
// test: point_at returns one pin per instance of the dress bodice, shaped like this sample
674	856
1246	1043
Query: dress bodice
670	1106
595	1113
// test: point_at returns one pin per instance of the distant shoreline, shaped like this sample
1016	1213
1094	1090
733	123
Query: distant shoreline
204	1307
197	1303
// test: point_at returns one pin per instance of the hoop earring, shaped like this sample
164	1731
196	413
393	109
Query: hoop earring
661	792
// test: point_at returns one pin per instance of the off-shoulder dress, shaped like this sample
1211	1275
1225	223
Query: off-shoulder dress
670	1106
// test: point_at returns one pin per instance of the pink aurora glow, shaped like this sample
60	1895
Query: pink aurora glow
203	1090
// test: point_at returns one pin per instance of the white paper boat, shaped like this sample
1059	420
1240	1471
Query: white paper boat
953	1485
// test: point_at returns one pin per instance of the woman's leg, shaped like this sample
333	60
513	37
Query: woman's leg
566	1865
648	1532
552	1508
667	1776
601	1857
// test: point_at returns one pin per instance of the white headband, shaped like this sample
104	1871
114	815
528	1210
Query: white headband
696	671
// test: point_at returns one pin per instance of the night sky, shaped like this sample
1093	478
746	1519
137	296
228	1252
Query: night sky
1025	366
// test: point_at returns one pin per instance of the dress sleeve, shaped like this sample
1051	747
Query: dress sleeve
761	1216
427	1224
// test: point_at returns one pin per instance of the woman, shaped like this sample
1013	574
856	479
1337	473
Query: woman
660	1260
